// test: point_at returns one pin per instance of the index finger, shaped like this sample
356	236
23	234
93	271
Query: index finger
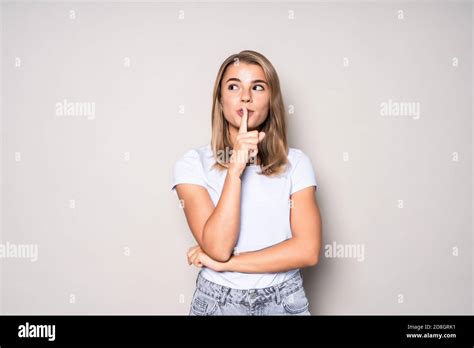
243	122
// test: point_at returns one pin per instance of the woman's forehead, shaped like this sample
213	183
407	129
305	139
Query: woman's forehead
244	72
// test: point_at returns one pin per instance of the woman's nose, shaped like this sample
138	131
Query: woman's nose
245	98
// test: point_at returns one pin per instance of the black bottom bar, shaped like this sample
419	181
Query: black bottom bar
292	330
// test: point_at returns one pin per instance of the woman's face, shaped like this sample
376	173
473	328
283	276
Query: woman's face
245	85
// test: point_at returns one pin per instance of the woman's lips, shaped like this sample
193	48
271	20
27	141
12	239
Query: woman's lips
241	113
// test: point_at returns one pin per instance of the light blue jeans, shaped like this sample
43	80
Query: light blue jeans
286	298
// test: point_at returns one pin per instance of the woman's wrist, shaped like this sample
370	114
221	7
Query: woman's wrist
234	172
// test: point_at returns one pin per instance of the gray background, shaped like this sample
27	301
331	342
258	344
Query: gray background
125	202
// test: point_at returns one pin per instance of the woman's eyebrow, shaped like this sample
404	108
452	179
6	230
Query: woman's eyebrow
254	81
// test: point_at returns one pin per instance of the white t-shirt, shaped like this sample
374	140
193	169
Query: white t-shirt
265	207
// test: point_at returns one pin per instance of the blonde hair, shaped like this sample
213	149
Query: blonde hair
273	149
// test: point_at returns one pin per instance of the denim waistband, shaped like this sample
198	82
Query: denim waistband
262	295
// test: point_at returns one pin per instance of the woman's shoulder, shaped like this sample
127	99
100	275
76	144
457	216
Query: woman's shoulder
295	154
204	150
198	154
189	167
302	172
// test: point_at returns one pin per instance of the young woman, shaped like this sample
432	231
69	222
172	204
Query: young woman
249	199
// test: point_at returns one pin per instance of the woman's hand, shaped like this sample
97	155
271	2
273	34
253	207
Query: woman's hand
246	145
198	258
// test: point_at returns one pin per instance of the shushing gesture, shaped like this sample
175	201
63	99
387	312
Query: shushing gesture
245	145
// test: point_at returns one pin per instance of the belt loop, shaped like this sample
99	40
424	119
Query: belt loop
278	297
225	291
198	277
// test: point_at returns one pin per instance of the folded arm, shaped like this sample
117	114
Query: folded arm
216	229
302	250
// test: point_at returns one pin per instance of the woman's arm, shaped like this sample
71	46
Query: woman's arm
302	250
221	231
214	228
217	230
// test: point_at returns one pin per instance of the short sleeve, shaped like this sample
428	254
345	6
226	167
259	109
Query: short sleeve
188	170
303	174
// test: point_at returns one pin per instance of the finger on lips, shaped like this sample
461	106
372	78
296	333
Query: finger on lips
243	122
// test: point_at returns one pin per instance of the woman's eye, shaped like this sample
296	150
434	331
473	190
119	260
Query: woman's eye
230	87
